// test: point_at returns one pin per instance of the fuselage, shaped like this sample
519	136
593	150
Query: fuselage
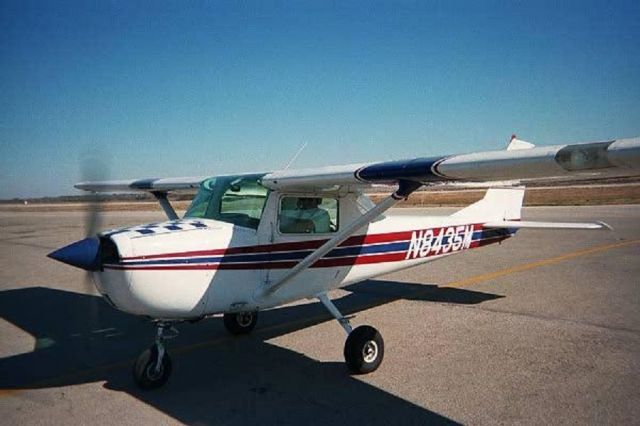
191	268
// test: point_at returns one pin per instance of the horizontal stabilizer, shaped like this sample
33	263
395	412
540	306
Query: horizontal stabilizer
546	225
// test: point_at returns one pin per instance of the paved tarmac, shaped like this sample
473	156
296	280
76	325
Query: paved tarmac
544	328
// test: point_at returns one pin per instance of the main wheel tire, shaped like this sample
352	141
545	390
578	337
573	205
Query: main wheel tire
241	322
144	369
364	350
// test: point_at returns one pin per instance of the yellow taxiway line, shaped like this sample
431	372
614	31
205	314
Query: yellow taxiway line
476	279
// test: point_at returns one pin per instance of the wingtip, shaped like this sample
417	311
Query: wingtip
605	225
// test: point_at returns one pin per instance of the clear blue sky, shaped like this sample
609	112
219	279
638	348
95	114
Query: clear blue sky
180	88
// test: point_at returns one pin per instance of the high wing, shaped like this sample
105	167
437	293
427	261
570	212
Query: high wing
159	187
144	185
521	162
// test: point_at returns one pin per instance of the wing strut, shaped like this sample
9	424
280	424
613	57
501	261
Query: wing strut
405	188
161	196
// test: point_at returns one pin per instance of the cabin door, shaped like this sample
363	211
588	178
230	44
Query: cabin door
296	225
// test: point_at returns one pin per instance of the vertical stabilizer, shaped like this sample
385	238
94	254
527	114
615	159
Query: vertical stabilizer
497	204
515	144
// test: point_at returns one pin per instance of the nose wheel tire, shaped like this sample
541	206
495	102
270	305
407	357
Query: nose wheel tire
148	373
240	322
363	350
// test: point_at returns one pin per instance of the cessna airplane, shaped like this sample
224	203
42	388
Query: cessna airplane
255	241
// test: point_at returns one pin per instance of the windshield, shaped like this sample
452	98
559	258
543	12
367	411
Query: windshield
233	199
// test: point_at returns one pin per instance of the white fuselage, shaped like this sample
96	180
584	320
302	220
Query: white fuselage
190	268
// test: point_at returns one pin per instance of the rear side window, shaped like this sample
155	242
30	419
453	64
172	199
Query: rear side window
308	215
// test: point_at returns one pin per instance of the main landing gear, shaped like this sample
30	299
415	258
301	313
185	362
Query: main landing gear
153	367
364	347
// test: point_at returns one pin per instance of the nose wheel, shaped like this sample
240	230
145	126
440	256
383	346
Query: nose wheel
240	322
153	367
364	347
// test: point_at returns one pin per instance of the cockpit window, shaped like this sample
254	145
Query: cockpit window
233	199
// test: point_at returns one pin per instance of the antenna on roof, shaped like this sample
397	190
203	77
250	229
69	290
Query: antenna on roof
302	147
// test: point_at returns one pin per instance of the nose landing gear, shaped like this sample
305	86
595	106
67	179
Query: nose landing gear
153	367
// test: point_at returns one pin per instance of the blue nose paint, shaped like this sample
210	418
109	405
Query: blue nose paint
81	254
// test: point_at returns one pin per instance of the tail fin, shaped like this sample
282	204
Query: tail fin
497	204
515	144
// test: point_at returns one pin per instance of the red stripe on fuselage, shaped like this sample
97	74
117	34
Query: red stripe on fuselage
322	263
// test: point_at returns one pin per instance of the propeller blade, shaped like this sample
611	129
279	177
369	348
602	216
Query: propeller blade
93	169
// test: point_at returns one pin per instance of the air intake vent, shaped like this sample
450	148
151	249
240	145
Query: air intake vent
108	252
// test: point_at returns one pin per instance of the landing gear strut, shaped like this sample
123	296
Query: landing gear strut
153	367
364	347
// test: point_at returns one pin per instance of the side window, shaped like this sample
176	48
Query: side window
308	215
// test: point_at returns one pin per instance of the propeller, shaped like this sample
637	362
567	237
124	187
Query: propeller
93	169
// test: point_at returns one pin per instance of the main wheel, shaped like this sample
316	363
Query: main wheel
241	322
145	373
363	350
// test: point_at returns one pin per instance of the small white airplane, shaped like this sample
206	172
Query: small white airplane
256	241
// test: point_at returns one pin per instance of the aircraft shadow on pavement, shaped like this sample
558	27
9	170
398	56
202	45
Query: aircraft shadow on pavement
217	378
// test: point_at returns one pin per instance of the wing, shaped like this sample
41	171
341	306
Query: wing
144	185
523	163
